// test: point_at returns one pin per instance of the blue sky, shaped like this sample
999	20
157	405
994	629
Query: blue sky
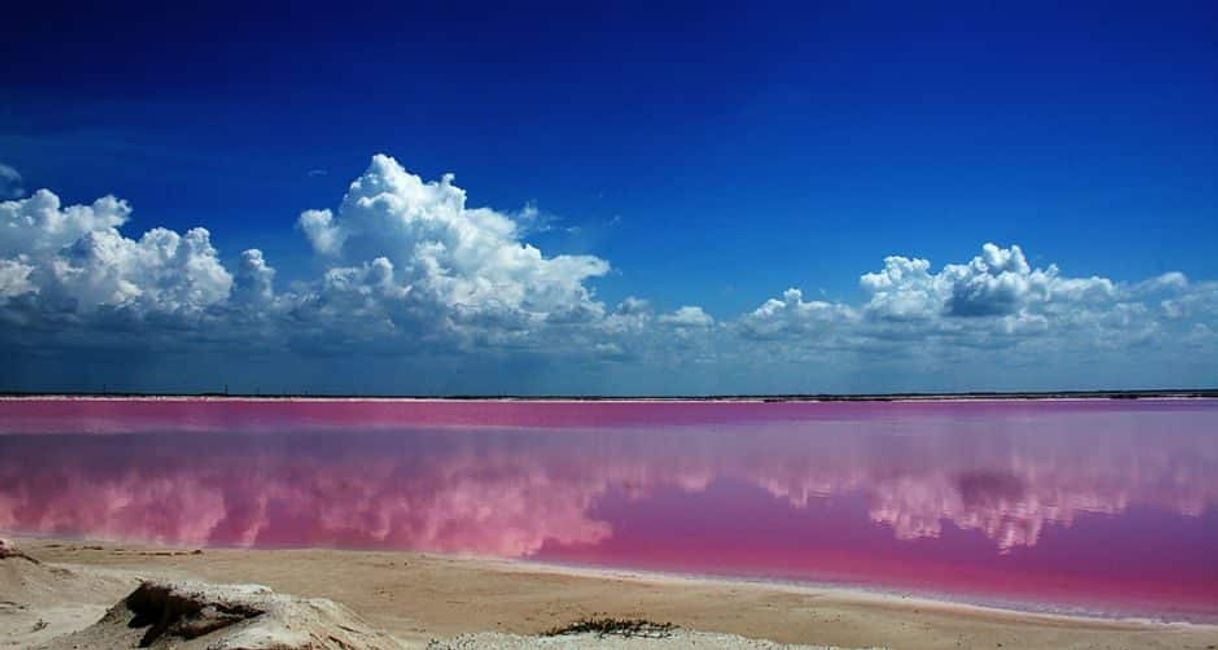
712	155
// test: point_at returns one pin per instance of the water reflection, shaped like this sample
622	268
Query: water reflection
875	496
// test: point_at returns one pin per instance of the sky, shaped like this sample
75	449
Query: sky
631	198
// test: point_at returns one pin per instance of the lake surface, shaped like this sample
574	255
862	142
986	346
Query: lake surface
1093	506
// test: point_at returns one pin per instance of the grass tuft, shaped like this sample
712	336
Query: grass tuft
606	626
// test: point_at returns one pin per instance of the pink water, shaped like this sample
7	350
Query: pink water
1094	506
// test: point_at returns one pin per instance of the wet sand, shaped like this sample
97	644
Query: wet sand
418	597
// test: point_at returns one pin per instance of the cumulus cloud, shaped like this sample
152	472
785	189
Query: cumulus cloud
903	290
688	317
407	266
467	267
996	299
254	282
10	183
76	259
998	282
40	224
318	226
161	271
792	316
15	279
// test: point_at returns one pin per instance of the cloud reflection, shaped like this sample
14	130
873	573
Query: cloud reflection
509	493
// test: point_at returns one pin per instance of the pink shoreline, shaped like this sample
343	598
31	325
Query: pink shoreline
1065	604
1096	609
745	399
125	414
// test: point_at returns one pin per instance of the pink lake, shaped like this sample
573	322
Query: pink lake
1103	507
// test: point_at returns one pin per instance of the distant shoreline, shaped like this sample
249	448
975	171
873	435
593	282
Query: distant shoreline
1200	393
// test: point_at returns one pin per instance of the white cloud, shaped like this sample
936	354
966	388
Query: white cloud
791	316
530	219
254	282
318	227
688	317
995	283
10	183
407	267
15	279
76	259
904	290
39	224
162	271
998	282
468	266
632	316
995	300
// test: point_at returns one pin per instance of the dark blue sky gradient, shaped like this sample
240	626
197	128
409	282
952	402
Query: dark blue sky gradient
714	153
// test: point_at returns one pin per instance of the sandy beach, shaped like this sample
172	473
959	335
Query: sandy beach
420	597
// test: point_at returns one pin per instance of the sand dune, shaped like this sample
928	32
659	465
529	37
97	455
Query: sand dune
83	590
199	616
39	601
56	608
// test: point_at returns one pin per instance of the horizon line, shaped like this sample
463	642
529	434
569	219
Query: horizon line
1168	393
